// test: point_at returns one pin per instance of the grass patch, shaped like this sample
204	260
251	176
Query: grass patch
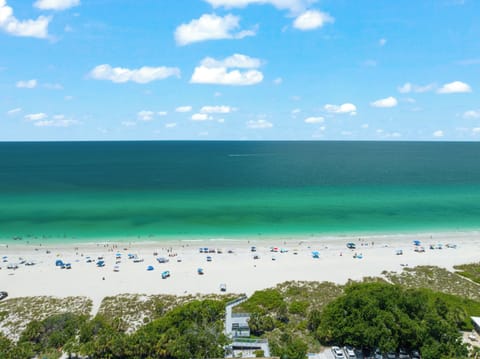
470	271
16	313
436	279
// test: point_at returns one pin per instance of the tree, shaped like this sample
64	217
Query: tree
372	315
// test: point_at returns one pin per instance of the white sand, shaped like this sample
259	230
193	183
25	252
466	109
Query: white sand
239	271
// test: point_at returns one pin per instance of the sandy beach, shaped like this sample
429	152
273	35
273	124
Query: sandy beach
235	266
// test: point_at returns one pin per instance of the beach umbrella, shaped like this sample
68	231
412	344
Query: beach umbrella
315	254
150	268
417	242
59	263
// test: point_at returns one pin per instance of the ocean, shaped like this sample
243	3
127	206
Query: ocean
83	191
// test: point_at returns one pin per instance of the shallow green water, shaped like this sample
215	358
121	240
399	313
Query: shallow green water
154	190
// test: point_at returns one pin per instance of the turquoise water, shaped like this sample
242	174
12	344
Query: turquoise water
161	190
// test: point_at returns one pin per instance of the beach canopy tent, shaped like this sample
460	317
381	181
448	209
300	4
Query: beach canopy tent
351	245
315	254
209	259
100	263
165	274
5	258
68	266
118	255
59	263
200	271
417	242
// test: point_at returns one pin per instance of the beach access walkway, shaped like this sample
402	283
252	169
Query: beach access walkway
236	328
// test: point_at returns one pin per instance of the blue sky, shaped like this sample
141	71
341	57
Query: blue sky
239	69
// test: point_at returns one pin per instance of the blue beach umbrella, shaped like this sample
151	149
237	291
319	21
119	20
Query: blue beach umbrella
150	268
315	254
417	242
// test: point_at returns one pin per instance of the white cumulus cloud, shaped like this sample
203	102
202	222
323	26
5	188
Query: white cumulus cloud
56	4
145	115
36	116
142	75
226	71
294	6
318	119
14	111
409	87
235	61
471	114
201	117
455	87
438	133
210	27
170	125
128	123
28	84
259	124
183	109
56	121
346	108
312	19
27	28
162	113
53	86
217	109
385	102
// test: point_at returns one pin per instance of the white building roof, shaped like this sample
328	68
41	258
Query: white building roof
476	321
